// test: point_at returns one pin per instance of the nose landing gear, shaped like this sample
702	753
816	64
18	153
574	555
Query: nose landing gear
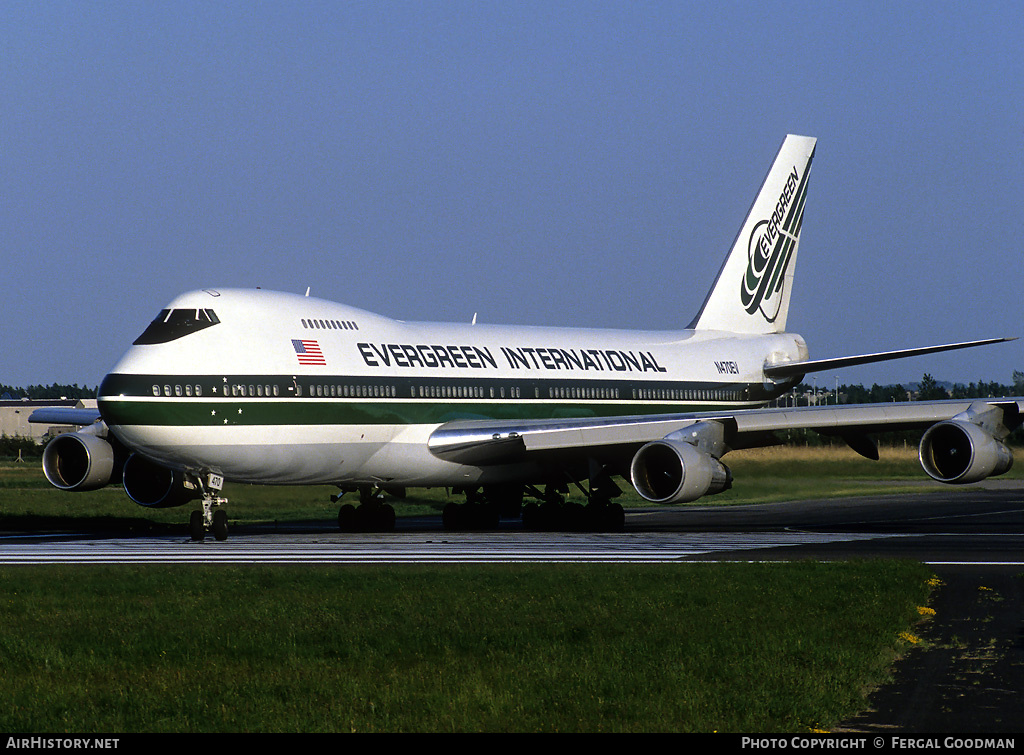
213	517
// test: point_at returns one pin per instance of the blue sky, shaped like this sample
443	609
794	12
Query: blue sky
583	163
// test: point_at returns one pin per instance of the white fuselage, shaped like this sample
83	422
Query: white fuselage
276	388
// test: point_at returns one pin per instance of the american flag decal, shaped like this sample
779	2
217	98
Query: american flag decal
308	352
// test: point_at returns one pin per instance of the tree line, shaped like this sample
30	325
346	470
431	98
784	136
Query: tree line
54	391
928	389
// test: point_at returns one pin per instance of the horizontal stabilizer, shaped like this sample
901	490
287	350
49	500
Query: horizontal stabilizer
799	369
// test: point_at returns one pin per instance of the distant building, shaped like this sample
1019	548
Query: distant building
14	416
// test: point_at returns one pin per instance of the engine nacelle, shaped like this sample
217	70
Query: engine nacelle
80	461
958	452
154	486
674	471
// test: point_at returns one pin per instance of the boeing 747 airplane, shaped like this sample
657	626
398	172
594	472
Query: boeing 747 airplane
282	389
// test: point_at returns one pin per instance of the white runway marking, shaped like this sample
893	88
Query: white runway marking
396	548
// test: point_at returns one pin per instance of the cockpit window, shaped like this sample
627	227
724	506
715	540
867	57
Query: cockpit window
171	324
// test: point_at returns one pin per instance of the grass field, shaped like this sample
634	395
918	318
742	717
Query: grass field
691	648
695	647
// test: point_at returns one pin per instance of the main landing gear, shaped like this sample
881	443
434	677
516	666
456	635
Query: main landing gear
372	514
551	512
213	517
482	510
548	512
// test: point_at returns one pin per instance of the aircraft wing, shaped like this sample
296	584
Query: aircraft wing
503	441
60	415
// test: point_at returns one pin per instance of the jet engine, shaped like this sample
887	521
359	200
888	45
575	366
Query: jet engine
80	461
959	452
675	471
155	486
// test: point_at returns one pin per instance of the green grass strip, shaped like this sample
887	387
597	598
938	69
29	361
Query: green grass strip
626	648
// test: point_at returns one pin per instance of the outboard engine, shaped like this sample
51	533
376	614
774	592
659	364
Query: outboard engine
675	471
81	461
959	452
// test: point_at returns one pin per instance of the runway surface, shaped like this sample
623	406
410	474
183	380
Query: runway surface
503	547
980	525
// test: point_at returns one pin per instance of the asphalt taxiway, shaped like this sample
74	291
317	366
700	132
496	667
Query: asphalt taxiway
979	525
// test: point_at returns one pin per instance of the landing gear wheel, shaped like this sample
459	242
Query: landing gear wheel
347	518
616	518
450	516
375	517
470	516
220	524
387	521
196	527
603	516
531	516
554	516
506	499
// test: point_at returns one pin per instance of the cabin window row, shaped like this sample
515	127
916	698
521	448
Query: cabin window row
465	391
189	390
676	394
584	392
241	391
254	390
350	391
329	324
178	390
460	391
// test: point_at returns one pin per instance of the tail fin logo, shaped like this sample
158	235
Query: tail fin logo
771	248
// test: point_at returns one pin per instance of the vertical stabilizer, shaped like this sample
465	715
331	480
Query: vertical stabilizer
752	291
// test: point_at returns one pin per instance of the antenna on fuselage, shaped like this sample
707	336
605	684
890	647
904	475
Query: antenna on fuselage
307	290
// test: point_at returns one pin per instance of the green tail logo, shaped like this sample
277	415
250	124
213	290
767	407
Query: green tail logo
772	244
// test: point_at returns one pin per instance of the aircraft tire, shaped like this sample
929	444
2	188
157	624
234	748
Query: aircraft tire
196	528
605	517
470	516
450	516
387	518
347	518
574	517
616	518
220	525
531	516
375	517
552	516
507	499
488	516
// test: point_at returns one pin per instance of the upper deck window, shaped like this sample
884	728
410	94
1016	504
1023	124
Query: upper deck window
171	324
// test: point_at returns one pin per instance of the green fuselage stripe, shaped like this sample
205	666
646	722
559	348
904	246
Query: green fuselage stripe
178	412
343	400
